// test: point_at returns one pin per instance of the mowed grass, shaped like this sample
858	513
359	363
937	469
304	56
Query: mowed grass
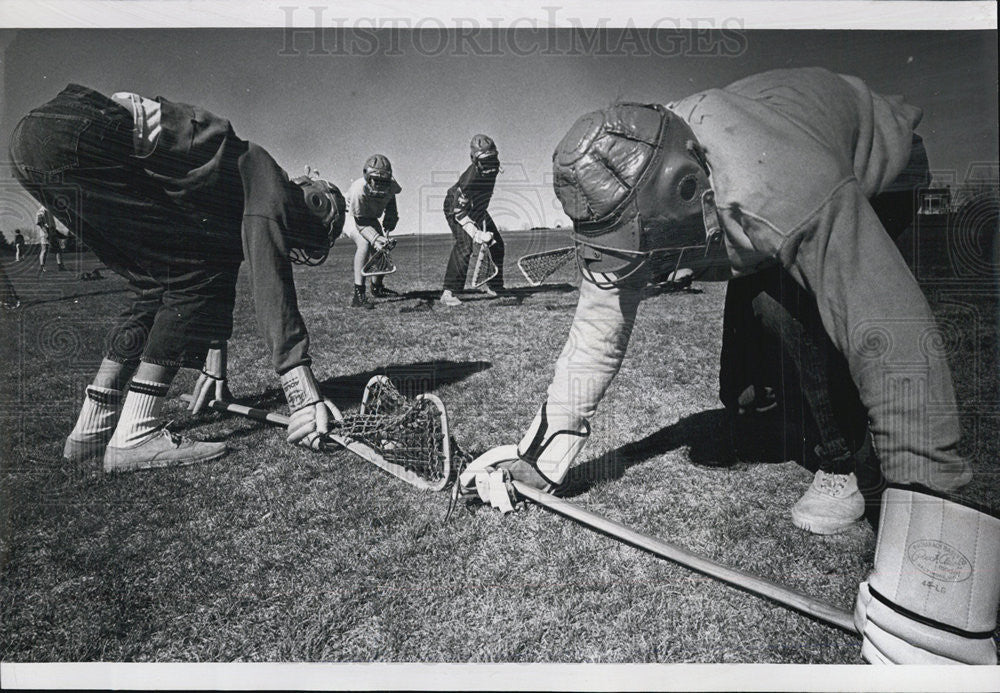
278	553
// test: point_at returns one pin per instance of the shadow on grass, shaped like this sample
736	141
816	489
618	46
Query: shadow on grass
345	391
510	297
69	297
705	434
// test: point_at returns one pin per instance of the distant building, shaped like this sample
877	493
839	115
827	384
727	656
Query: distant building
935	201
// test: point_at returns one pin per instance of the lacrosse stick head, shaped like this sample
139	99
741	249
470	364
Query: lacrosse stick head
380	263
537	267
483	267
410	434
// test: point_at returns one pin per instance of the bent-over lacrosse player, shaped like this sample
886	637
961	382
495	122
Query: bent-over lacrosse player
466	209
780	168
372	215
173	201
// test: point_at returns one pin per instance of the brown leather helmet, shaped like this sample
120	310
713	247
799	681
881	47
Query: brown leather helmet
633	179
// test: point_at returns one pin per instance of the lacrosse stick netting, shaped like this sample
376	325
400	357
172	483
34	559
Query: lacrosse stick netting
483	267
379	263
409	435
537	267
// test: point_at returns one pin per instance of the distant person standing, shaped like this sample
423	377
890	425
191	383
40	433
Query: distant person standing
48	236
465	209
18	245
372	214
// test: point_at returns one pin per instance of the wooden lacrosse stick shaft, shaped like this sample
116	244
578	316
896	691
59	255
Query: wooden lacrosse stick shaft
751	583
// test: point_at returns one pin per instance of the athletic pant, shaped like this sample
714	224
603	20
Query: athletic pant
74	155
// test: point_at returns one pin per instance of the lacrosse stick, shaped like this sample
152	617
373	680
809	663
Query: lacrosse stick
777	592
538	267
380	263
760	586
406	437
484	269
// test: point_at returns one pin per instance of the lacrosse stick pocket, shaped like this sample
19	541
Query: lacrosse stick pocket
408	436
537	267
484	269
380	263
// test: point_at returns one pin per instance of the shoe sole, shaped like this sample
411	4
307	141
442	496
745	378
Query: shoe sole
162	463
821	527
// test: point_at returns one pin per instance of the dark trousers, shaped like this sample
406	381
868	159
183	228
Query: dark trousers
773	338
74	155
458	261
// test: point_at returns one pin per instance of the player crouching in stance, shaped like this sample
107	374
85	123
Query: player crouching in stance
466	210
781	166
370	199
172	200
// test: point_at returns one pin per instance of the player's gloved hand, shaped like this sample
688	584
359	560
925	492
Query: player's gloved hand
211	384
310	412
470	228
541	460
933	592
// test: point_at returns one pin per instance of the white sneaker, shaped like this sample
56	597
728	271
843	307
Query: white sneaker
82	450
164	449
450	299
831	504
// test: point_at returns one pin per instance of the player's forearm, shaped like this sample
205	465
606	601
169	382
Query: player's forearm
596	346
275	302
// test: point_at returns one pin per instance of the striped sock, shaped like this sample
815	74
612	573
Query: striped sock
97	415
140	413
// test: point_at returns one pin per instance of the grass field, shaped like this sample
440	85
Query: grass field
278	553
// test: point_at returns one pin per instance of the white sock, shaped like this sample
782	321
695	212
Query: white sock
140	413
97	415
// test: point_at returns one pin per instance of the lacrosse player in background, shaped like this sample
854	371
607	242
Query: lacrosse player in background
173	201
780	166
372	215
48	237
18	245
466	210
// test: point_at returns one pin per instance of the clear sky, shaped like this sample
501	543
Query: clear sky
419	97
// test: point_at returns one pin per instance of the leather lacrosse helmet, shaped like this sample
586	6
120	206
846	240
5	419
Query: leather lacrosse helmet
484	154
633	179
326	203
378	175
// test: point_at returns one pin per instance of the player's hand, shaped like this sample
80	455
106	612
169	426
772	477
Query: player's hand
490	478
311	412
380	242
308	425
484	237
540	460
211	382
